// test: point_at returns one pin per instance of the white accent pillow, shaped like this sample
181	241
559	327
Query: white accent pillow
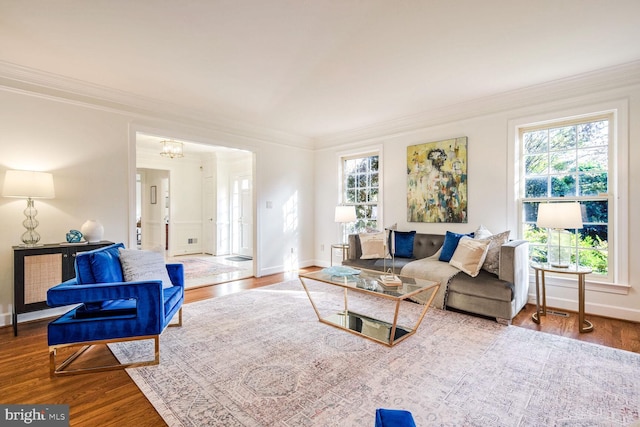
139	266
373	245
469	255
481	233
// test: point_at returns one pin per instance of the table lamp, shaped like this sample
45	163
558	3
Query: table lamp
344	215
29	185
557	217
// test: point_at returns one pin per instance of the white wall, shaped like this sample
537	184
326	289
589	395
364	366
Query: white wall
490	195
90	151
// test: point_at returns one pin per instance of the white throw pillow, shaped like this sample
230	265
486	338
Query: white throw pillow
481	233
139	266
373	245
469	255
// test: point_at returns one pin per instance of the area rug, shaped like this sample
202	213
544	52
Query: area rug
261	358
239	258
200	271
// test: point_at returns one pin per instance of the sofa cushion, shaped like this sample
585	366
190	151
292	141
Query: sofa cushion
450	244
492	260
140	265
127	307
469	255
403	246
373	245
484	285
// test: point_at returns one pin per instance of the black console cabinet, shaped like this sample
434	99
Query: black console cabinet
39	268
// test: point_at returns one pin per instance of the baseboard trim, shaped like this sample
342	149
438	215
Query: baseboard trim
604	310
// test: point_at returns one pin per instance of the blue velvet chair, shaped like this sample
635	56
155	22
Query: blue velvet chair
110	309
394	418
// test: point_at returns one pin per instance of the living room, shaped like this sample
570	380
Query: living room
70	108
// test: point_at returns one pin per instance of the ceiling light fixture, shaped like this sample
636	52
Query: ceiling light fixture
171	149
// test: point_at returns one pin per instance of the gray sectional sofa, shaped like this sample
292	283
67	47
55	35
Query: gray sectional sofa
499	296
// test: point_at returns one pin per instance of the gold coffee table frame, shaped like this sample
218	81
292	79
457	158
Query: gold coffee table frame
367	282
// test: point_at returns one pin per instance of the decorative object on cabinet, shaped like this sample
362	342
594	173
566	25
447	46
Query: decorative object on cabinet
74	236
92	231
35	270
29	185
437	181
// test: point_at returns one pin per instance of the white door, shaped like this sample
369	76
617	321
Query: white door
153	221
209	216
243	216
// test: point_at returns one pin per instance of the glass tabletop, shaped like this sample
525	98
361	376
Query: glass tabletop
571	269
370	281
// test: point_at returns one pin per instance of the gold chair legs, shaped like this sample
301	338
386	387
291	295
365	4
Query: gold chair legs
179	319
62	370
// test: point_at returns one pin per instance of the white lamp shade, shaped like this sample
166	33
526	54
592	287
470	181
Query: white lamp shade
559	215
28	184
345	214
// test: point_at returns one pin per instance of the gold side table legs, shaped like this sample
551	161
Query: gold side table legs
536	316
585	325
541	306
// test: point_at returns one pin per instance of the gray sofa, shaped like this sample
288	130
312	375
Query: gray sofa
499	296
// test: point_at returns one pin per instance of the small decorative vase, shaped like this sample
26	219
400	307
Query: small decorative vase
92	231
74	236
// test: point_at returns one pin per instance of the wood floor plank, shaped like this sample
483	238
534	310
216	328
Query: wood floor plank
112	398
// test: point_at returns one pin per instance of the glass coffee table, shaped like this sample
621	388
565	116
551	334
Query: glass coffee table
369	282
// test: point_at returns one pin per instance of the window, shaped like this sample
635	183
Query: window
570	161
360	188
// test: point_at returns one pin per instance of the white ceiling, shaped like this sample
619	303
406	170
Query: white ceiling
318	67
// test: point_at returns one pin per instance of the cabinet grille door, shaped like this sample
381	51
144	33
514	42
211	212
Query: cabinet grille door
41	272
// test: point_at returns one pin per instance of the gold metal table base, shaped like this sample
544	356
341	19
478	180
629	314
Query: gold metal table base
386	333
541	308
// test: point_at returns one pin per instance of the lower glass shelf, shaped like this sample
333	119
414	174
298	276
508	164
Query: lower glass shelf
369	327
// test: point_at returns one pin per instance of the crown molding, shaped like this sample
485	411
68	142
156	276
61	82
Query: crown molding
592	82
46	85
29	81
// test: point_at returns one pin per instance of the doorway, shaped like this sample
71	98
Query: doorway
242	216
152	209
206	198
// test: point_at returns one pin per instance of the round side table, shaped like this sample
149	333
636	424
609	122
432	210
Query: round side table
343	246
581	272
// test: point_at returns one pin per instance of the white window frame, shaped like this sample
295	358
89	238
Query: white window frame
618	279
359	153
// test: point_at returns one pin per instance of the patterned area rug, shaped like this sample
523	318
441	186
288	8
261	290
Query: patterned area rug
200	271
261	358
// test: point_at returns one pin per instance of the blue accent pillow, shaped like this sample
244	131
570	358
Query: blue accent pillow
404	243
107	266
450	244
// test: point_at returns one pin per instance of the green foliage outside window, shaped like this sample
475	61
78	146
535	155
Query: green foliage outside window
569	162
361	189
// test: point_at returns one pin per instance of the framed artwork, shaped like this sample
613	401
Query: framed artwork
437	181
154	195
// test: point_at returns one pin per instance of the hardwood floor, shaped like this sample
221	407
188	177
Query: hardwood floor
112	398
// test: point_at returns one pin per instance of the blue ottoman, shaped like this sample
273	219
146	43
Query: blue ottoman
394	418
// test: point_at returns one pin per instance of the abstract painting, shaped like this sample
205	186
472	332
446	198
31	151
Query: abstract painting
437	181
